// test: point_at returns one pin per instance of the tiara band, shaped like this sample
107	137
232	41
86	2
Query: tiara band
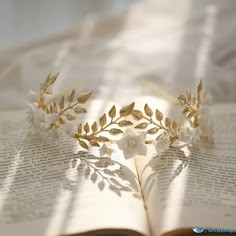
135	128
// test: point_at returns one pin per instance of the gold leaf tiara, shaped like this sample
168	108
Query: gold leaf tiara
136	128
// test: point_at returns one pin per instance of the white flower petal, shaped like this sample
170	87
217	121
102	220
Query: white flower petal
142	137
132	144
129	153
120	143
129	132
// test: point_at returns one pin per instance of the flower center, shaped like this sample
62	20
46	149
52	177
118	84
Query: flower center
132	143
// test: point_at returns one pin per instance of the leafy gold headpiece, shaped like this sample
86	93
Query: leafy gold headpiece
131	129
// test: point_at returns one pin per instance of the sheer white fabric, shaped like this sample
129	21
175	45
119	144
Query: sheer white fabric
156	48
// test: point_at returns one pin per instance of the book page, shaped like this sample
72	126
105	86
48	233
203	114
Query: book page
194	187
51	189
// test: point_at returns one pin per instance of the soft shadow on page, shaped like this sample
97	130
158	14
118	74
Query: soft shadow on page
195	186
52	189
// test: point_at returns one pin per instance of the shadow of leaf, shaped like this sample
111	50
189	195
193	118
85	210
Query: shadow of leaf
103	172
163	166
101	185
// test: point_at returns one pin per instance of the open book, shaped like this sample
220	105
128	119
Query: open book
49	189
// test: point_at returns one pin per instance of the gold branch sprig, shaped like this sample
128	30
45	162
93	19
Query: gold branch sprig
46	89
113	125
191	105
67	110
155	125
64	109
109	123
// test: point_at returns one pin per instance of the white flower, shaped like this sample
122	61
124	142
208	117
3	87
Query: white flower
132	144
40	122
106	150
50	118
186	135
34	115
53	134
69	129
162	144
32	96
43	123
204	130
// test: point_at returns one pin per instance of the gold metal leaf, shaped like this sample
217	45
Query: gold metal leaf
195	122
94	126
115	131
94	143
153	130
180	126
86	127
112	112
186	109
48	77
137	115
194	102
182	99
199	87
84	97
61	121
167	122
191	114
62	103
53	79
188	96
70	117
125	111
72	96
172	139
141	126
159	115
48	91
103	139
148	141
124	123
51	109
54	107
79	128
83	144
79	109
148	110
103	120
174	125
